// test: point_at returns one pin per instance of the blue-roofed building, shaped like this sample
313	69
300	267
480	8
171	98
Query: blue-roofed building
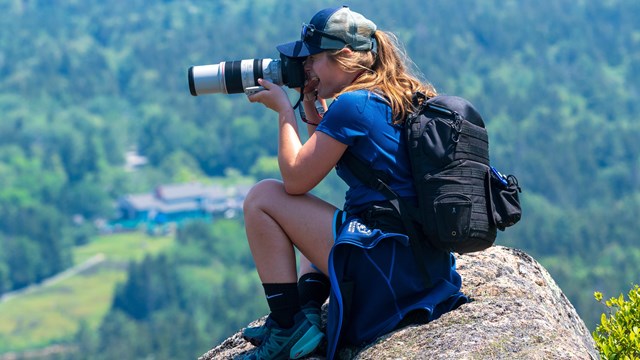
175	203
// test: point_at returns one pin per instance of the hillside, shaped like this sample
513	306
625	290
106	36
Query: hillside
53	310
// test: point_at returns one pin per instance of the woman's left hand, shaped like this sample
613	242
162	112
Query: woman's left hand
273	96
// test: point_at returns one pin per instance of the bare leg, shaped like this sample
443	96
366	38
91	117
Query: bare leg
276	222
305	266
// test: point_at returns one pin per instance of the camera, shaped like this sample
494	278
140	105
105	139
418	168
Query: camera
232	77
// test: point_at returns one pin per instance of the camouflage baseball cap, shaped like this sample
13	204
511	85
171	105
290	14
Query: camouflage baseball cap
332	29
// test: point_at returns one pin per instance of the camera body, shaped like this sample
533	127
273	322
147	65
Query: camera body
232	77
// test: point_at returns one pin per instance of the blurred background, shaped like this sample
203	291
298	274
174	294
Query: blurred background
121	235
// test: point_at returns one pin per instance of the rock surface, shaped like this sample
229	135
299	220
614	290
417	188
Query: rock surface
517	312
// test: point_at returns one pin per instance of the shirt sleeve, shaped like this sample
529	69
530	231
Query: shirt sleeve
345	119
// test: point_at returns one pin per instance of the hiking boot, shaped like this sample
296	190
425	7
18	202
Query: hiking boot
300	340
256	334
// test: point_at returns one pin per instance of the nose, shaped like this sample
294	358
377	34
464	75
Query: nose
307	64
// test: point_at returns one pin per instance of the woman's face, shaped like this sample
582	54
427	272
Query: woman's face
330	77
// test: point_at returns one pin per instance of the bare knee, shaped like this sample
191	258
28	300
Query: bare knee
262	194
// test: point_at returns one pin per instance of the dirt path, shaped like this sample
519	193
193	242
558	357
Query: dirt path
89	263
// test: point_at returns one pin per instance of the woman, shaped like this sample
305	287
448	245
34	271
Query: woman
361	250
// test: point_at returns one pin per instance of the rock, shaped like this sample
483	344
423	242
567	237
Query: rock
517	312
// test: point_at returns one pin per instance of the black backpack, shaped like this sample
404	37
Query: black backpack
462	199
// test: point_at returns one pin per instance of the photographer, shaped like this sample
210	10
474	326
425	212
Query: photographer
360	253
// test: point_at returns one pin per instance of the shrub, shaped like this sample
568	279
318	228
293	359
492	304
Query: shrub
618	335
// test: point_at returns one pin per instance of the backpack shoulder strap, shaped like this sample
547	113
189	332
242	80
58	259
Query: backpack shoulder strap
378	180
375	179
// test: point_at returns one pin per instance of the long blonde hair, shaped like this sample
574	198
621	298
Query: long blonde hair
386	73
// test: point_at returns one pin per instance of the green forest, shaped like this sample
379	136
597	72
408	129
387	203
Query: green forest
84	82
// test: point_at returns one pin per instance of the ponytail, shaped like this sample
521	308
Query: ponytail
388	72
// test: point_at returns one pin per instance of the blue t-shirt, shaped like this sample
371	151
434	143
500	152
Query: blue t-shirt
362	120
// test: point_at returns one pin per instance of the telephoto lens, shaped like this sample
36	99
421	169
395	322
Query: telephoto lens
232	77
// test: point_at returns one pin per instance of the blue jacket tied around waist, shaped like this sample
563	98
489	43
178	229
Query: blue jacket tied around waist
375	283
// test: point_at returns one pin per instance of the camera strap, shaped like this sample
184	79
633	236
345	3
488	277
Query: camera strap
299	101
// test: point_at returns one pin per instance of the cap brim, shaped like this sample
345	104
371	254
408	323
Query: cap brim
298	49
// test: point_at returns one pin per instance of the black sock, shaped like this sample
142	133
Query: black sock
313	287
283	302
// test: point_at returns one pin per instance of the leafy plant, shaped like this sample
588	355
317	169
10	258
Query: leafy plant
618	335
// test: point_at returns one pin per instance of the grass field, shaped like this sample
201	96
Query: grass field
51	313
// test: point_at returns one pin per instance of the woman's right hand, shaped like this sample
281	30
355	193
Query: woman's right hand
310	89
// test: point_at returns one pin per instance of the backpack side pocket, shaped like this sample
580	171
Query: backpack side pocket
506	202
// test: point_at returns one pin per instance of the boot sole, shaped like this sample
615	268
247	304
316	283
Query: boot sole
307	343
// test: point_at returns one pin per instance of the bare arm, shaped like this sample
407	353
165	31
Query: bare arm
302	166
304	169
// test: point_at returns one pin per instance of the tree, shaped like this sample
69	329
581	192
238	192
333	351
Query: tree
266	167
24	261
151	286
120	337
